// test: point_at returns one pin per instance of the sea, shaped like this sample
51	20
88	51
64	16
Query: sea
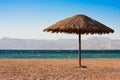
57	54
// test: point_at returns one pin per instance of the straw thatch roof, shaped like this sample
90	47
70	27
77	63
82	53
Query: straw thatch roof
77	23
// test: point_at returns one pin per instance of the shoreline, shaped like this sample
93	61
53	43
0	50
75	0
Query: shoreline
58	58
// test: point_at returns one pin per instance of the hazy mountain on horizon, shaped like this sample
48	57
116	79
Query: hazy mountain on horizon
93	43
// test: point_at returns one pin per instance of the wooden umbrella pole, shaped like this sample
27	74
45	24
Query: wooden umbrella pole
79	51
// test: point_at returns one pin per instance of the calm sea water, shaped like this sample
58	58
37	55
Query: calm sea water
59	53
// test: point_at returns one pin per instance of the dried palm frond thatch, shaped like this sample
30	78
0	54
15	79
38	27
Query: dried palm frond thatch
80	23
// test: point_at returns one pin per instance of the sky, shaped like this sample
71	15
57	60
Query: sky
26	19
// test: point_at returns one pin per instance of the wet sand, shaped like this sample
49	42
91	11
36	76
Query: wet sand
59	69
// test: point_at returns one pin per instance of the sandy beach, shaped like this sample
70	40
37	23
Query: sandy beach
59	69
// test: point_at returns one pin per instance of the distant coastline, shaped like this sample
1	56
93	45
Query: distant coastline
94	43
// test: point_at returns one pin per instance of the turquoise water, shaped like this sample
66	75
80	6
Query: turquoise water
59	54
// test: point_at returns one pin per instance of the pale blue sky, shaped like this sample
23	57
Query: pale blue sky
27	18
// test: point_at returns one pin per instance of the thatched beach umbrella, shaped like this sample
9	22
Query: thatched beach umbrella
79	24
